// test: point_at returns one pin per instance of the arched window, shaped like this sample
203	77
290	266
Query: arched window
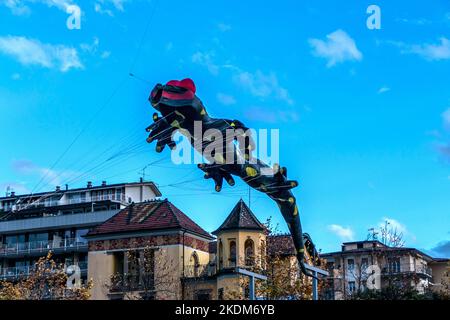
220	255
195	263
249	249
233	252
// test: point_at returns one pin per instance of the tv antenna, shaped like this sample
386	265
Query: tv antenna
142	172
8	191
373	234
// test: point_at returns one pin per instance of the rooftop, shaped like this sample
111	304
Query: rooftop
148	216
62	191
241	217
379	248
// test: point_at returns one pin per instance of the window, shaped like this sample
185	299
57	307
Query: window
394	265
249	252
351	264
220	294
139	267
203	295
233	252
351	287
330	267
195	264
364	263
118	196
79	235
360	245
220	255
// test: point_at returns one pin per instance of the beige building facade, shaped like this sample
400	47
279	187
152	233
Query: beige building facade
152	250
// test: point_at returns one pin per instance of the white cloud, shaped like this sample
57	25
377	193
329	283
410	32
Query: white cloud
431	52
52	177
394	224
337	48
225	99
99	9
262	85
206	59
93	49
446	118
17	7
345	233
21	7
17	187
27	167
33	52
258	83
383	90
224	27
105	54
103	6
90	47
415	21
169	46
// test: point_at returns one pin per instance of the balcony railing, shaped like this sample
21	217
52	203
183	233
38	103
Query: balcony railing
199	271
425	270
129	282
25	271
42	246
77	200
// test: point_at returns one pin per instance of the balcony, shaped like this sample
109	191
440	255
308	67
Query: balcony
122	284
76	200
419	270
111	197
199	271
53	222
42	247
25	271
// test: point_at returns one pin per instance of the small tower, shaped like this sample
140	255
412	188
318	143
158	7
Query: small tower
240	239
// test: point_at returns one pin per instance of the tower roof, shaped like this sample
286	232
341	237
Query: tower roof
241	217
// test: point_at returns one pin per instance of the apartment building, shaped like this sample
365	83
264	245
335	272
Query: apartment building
351	268
32	225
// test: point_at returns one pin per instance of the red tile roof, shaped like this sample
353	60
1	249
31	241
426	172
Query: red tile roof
148	216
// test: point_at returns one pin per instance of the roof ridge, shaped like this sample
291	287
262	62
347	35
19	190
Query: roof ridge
169	204
250	212
241	217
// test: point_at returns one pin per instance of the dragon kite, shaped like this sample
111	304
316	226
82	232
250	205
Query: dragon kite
180	109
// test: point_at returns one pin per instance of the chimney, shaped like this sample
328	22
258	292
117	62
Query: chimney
67	187
89	184
13	194
141	180
58	188
103	183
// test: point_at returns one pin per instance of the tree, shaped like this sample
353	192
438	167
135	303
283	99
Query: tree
47	281
281	268
151	275
397	285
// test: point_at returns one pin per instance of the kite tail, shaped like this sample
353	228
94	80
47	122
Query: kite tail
276	186
289	210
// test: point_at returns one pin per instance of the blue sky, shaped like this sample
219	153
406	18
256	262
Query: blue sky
364	115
